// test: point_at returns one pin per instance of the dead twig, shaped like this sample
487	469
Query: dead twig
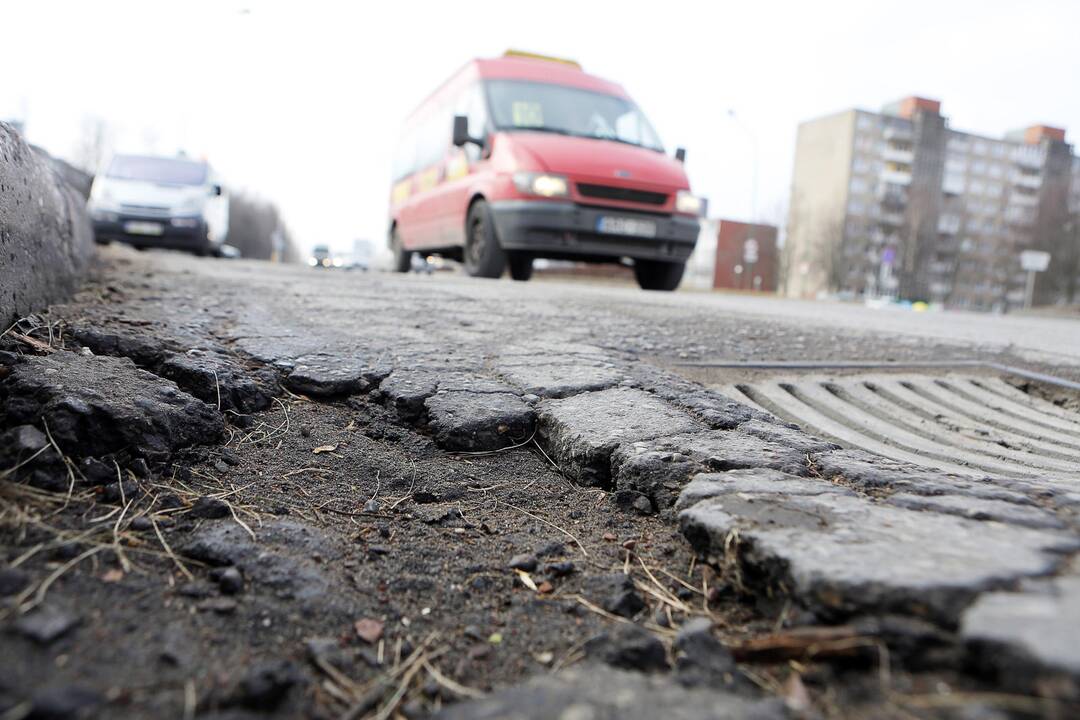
43	587
449	684
550	524
169	552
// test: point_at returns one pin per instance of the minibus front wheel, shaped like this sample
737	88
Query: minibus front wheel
658	274
521	266
402	257
484	257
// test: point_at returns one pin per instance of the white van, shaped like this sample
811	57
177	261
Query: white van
166	202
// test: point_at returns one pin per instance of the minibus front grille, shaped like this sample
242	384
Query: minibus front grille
608	192
144	209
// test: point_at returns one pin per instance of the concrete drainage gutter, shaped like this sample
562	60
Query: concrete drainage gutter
46	239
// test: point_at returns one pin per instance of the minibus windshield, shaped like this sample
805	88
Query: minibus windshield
166	171
543	107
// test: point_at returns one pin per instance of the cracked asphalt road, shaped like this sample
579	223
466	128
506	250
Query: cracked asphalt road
234	489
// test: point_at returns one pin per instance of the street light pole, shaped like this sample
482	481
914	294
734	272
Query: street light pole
754	149
750	253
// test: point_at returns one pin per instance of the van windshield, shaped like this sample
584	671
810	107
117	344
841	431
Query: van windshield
168	171
522	105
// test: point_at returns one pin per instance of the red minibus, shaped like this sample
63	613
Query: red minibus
525	157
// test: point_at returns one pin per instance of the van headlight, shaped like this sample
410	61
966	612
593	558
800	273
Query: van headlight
190	206
687	203
542	184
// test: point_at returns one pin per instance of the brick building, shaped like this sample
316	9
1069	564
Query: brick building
735	255
899	204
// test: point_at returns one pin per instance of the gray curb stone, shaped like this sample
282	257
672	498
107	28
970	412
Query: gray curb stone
46	239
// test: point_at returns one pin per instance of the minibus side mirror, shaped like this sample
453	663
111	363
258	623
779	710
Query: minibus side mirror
461	131
216	190
680	154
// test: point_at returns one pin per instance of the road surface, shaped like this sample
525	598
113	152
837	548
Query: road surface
244	488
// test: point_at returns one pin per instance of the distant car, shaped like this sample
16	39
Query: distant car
320	257
421	264
165	202
362	253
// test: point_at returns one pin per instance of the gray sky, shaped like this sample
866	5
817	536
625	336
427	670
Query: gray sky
301	101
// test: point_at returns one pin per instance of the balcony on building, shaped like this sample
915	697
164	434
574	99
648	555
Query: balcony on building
948	224
896	173
900	153
893	219
892	196
897	133
1023	199
1027	180
1028	156
952	184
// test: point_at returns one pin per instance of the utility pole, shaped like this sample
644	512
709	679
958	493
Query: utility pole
754	149
750	245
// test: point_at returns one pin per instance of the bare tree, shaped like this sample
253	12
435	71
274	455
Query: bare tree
255	225
1070	257
833	255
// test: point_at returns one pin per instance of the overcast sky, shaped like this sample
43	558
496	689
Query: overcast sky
301	101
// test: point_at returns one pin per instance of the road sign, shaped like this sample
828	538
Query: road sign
888	256
1034	260
750	251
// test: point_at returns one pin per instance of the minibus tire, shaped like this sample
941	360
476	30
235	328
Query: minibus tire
521	266
483	255
658	274
402	257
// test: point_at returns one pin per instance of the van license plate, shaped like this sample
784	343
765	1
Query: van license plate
143	228
626	226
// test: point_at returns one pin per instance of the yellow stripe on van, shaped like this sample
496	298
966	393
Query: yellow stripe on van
401	191
428	179
458	166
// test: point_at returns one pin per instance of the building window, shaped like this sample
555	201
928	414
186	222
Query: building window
855	207
865	122
978	168
977	187
979	147
958	145
858	186
953	184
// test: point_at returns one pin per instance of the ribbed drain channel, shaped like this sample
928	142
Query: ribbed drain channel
967	424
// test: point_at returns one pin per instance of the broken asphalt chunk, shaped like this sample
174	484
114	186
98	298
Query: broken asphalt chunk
216	380
583	431
472	421
839	555
95	405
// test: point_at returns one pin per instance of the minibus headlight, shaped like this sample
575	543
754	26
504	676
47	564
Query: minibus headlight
542	184
687	203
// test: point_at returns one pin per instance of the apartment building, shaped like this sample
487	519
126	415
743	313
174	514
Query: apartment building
898	204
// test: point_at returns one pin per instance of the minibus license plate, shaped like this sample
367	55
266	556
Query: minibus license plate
626	226
143	228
